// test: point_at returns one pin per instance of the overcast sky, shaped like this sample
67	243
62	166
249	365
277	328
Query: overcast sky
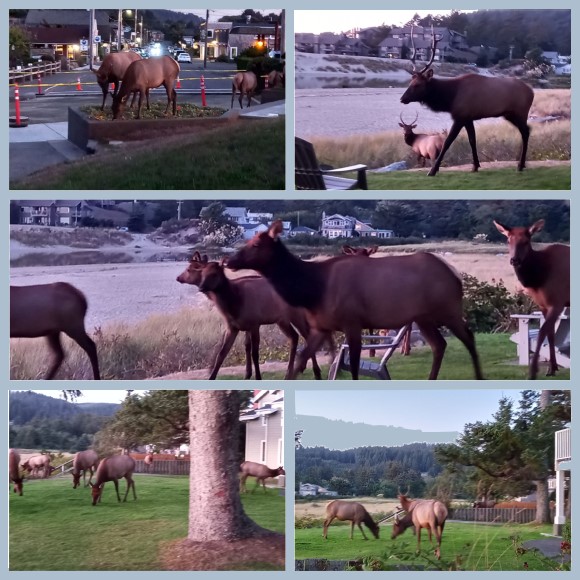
92	396
318	21
427	410
215	15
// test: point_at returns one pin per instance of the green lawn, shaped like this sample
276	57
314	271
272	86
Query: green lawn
243	155
496	351
539	178
53	527
465	546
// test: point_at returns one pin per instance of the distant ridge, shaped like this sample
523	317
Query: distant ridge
338	434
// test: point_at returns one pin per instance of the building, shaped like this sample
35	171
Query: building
238	215
562	464
303	231
339	226
259	217
53	212
265	428
217	40
306	489
250	230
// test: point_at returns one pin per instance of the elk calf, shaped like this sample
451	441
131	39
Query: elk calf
424	146
545	275
259	471
349	511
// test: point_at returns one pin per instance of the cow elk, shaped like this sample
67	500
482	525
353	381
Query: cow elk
112	469
545	276
421	513
84	461
112	70
259	471
148	461
48	310
424	146
146	74
353	512
350	293
468	98
14	470
246	304
38	465
244	83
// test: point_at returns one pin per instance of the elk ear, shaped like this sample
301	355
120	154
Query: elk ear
196	257
502	229
537	227
347	250
429	74
275	229
401	125
204	259
224	261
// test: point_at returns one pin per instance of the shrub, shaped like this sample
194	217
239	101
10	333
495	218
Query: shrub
306	522
222	58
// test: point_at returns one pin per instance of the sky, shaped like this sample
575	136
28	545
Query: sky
318	21
427	410
92	396
215	15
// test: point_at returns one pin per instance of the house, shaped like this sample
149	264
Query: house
250	230
259	217
242	37
265	428
305	42
305	489
217	40
563	69
303	231
53	212
238	215
337	226
562	464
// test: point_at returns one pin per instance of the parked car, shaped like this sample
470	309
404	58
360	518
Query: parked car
275	54
183	57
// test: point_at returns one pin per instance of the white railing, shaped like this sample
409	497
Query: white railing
25	73
563	445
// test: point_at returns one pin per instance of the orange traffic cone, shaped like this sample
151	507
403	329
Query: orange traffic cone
79	88
178	85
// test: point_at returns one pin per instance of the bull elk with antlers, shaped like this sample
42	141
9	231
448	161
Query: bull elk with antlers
425	146
468	98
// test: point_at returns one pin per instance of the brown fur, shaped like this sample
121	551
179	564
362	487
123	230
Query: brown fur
37	465
112	469
349	511
258	470
424	146
47	310
245	83
112	70
14	470
84	461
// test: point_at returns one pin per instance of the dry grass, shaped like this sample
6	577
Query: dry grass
317	508
495	142
73	237
552	102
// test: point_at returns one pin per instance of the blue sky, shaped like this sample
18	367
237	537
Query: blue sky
427	410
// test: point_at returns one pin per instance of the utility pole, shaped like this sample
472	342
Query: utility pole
119	28
179	210
205	43
91	38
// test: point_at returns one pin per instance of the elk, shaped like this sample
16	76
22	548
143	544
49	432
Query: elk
84	461
425	146
47	310
275	79
259	471
421	513
38	464
246	304
482	496
112	70
148	461
350	251
146	74
490	503
468	98
545	276
245	83
353	512
14	470
349	293
112	469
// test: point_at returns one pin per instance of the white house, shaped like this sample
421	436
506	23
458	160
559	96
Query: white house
250	230
562	464
305	489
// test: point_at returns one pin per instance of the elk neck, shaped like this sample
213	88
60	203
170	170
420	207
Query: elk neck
410	138
227	298
533	271
441	95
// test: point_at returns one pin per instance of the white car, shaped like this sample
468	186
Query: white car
183	57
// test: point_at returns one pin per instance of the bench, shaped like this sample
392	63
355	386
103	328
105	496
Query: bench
369	368
309	174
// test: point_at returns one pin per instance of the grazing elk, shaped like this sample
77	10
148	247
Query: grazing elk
245	83
246	304
47	310
259	471
349	293
84	461
38	465
14	470
112	70
422	513
112	469
545	276
424	146
146	74
468	98
353	512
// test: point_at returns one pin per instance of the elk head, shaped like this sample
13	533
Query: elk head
259	251
96	492
18	486
192	274
408	129
76	479
519	240
281	471
212	277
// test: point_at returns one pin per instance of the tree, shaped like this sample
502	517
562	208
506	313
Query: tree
18	45
136	221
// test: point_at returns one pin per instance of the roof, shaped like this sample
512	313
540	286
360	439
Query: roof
252	226
253	414
47	35
304	229
65	17
305	38
252	30
219	25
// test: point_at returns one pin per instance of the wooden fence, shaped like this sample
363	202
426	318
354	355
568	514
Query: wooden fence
167	467
27	73
499	515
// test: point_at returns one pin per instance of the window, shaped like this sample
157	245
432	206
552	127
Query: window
263	451
233	51
210	33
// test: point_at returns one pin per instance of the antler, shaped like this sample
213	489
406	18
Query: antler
433	47
412	123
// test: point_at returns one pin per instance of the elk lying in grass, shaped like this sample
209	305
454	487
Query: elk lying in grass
84	461
349	293
146	74
38	465
468	98
246	304
14	470
422	513
424	146
112	70
244	83
545	276
353	512
259	471
112	469
47	310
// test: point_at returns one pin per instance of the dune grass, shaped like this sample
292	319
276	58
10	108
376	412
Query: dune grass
53	527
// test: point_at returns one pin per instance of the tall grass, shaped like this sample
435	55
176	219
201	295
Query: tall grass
73	237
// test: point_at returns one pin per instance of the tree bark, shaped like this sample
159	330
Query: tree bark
215	507
542	493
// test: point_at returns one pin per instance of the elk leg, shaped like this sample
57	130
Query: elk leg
351	528
228	341
133	99
255	334
469	127
117	490
546	329
248	348
292	335
362	531
315	339
243	483
418	540
56	348
454	131
524	129
233	95
174	96
327	523
553	367
241	99
464	334
80	336
437	343
354	342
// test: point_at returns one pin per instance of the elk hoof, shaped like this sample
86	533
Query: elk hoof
475	169
432	173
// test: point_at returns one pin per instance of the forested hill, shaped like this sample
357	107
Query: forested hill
337	434
25	406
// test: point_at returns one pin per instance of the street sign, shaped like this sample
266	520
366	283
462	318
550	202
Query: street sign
97	39
84	44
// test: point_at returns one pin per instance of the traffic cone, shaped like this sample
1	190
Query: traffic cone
112	87
178	85
40	93
79	88
203	101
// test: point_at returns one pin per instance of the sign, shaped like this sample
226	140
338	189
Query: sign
84	44
97	39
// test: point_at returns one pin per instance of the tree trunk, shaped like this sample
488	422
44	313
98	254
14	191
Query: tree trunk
215	508
542	501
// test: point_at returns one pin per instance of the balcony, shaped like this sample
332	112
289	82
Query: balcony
563	445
